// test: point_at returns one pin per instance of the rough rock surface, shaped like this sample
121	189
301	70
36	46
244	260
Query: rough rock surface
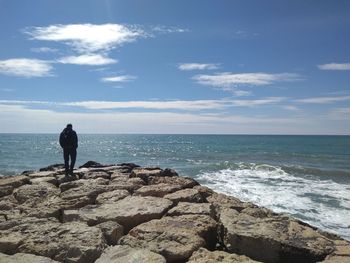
174	237
126	213
126	254
25	258
203	255
282	239
129	212
74	242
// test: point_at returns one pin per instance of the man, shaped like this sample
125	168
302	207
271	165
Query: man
69	143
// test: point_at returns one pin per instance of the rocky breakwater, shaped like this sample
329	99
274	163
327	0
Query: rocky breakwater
126	213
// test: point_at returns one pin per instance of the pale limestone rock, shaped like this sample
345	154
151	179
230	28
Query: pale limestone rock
129	212
185	208
111	197
185	195
203	255
158	190
281	239
24	258
173	237
184	182
126	254
8	183
73	242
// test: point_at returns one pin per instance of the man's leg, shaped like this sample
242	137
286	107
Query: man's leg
66	160
73	157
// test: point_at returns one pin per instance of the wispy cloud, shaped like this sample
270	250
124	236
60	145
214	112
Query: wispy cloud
182	105
44	50
334	66
88	38
228	80
197	66
24	67
166	29
340	114
88	59
121	78
324	100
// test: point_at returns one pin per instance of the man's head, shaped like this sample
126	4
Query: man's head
69	126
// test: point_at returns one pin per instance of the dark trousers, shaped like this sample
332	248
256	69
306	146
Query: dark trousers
72	153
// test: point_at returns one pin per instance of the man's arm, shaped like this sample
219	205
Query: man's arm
61	140
75	140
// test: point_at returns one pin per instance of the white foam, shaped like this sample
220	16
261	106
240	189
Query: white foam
322	203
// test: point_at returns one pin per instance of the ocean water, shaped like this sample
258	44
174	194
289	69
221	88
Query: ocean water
305	176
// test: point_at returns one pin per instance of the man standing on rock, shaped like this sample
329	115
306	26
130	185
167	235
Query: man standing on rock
69	143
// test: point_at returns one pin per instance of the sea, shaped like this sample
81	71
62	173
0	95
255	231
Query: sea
307	177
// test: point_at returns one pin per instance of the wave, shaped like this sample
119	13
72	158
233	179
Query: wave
324	203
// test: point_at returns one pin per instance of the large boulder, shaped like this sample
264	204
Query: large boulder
112	196
158	190
8	183
185	195
174	237
282	239
32	192
73	242
126	254
145	172
25	258
184	182
185	208
129	212
203	255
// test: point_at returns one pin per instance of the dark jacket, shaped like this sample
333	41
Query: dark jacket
68	139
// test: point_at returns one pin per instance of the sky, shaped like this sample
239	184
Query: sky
197	67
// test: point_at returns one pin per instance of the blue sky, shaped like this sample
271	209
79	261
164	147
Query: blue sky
236	67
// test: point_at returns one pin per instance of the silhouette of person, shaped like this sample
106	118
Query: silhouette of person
69	143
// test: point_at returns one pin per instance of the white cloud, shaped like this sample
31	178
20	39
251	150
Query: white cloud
24	67
88	38
176	104
121	78
241	93
290	108
227	80
197	66
188	105
88	59
323	100
335	66
44	50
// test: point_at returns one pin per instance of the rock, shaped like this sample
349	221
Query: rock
42	174
260	212
90	164
13	181
97	174
73	242
184	182
129	166
158	190
202	255
145	172
120	176
111	197
185	208
112	231
35	191
185	195
129	212
173	237
6	190
225	201
52	168
50	179
90	188
169	172
341	253
25	258
281	239
130	184
126	254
